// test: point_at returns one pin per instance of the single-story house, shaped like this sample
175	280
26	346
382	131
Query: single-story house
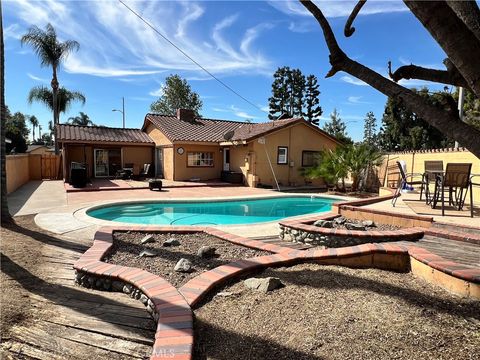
189	147
40	150
104	150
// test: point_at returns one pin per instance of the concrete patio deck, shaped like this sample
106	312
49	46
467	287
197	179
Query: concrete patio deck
410	204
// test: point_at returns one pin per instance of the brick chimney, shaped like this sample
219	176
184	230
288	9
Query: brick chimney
186	115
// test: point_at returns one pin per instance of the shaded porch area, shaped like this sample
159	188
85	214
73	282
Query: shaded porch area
98	184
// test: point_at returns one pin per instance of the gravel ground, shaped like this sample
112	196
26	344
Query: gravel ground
127	246
329	312
377	227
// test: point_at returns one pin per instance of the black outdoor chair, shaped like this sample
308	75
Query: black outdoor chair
404	181
145	171
457	181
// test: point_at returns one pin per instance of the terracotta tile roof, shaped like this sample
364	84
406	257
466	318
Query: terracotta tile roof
254	130
201	129
213	130
75	133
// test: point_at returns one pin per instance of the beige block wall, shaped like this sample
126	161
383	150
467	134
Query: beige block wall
17	167
297	138
415	163
242	159
138	156
182	172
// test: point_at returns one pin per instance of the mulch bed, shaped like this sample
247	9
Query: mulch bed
127	247
330	312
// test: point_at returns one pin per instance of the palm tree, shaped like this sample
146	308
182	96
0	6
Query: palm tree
5	214
51	53
65	98
34	121
40	132
82	120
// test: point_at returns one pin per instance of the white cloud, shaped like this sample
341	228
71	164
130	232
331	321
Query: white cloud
301	26
116	43
12	31
332	9
36	78
353	81
355	100
157	93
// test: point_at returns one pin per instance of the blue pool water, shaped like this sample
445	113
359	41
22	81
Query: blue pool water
212	213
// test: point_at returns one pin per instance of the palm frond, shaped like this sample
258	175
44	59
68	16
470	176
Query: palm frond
47	46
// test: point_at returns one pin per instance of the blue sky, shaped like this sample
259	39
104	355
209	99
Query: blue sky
241	42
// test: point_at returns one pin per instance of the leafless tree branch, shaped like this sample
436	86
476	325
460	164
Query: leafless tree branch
349	30
447	122
421	73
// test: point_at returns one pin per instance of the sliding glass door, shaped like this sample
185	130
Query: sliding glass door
107	162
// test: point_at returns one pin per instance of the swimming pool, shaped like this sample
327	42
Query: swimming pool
202	213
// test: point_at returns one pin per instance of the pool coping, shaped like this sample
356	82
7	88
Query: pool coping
81	212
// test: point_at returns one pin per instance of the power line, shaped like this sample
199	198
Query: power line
190	58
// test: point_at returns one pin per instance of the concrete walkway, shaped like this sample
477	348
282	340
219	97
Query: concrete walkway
37	196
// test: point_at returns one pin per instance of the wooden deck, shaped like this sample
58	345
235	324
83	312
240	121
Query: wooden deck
71	322
457	251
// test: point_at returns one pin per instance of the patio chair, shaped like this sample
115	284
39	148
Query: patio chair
431	170
457	181
145	171
404	182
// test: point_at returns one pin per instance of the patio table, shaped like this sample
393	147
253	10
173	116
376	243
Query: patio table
456	181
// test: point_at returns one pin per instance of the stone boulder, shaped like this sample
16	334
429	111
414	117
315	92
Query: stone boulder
183	265
206	252
324	223
263	284
147	253
340	220
355	227
368	223
147	239
171	242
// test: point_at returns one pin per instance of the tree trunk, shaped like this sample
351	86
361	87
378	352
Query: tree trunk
54	84
453	35
5	215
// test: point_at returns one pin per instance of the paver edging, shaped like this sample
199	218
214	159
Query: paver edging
174	317
171	308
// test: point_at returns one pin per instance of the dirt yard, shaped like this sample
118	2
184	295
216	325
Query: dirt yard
338	313
127	247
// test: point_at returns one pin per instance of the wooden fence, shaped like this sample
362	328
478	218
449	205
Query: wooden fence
23	168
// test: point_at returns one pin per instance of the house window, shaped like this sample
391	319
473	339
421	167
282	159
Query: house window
282	155
200	159
309	158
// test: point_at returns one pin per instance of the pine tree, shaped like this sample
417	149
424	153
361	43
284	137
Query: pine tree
296	89
370	129
337	128
280	97
313	110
